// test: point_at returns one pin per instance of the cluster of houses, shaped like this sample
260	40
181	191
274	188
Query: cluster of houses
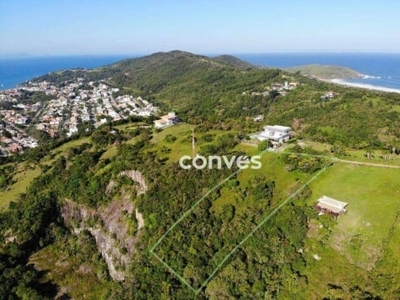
93	102
281	88
15	141
74	102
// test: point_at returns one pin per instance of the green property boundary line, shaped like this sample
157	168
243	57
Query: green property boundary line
287	200
191	209
267	218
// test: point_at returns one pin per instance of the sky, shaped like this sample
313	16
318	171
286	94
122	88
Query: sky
66	27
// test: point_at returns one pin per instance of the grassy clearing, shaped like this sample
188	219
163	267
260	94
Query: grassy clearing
130	126
248	149
359	155
110	153
183	143
179	131
372	194
273	170
57	152
364	241
389	265
71	144
23	178
316	145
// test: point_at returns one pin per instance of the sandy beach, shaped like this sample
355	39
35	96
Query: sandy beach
364	86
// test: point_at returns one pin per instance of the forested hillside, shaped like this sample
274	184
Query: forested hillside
202	89
111	214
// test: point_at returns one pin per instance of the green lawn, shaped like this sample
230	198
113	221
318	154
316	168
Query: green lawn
109	153
182	145
373	195
23	179
344	254
357	241
71	144
130	126
179	131
57	152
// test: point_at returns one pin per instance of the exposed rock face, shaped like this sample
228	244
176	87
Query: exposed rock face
109	226
110	186
139	218
111	236
137	177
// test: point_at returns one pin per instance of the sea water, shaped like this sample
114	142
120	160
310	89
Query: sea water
377	69
14	71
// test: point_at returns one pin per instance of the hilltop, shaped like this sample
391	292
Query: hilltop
204	89
234	61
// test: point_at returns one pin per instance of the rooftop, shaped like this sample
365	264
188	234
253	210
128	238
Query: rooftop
331	204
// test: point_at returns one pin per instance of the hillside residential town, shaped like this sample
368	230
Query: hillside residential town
61	109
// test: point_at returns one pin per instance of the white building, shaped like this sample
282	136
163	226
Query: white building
276	133
165	121
331	206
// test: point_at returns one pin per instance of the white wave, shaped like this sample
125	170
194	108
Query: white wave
363	76
365	86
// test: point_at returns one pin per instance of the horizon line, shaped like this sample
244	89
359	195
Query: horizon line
139	54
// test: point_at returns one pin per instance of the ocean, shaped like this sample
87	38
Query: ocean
14	71
379	70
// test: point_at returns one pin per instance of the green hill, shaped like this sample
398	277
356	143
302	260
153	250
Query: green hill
112	215
325	71
204	90
234	61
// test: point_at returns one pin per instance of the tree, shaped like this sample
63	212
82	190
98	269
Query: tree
263	145
7	134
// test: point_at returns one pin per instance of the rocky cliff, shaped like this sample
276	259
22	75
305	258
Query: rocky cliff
111	226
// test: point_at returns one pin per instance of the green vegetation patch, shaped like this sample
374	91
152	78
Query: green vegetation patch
225	218
21	181
372	194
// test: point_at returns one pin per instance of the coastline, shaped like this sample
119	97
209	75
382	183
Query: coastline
370	87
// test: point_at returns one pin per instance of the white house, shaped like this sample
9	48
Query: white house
276	133
331	206
167	120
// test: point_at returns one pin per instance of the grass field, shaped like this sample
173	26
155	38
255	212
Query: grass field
130	126
24	175
22	178
273	170
71	144
183	143
372	194
57	152
357	243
